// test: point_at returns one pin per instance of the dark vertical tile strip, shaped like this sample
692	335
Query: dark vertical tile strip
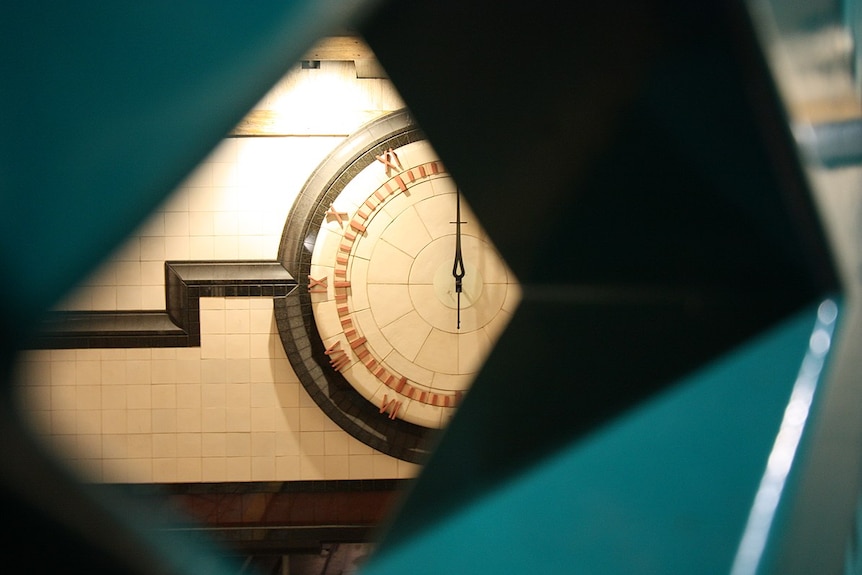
295	317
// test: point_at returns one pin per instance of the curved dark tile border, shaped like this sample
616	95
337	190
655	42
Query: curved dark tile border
302	343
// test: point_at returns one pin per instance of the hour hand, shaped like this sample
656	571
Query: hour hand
458	266
458	271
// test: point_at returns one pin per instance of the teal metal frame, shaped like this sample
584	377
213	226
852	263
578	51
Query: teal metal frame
666	489
668	395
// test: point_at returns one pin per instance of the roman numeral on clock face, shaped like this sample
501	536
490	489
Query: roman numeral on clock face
317	285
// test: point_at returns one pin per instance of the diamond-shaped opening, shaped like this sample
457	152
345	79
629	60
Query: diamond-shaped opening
651	129
233	207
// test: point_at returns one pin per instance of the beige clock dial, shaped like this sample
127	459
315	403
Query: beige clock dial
384	295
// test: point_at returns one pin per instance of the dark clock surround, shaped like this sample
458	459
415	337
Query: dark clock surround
294	315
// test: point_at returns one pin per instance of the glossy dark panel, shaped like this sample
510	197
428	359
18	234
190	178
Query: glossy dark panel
633	165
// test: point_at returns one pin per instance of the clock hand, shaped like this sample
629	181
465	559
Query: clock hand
458	266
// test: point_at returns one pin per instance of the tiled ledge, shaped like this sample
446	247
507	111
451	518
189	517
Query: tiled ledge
179	324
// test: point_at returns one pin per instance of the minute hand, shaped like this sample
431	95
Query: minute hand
458	266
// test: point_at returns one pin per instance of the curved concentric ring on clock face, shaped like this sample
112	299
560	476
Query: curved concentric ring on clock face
383	304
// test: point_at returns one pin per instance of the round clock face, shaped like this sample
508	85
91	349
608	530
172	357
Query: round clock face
384	296
406	293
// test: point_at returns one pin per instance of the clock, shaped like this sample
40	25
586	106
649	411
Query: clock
402	294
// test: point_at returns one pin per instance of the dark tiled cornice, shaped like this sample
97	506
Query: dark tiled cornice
179	324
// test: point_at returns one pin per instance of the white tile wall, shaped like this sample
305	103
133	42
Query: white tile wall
224	211
232	409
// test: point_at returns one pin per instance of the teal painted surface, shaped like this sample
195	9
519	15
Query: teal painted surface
668	488
853	559
107	106
853	21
